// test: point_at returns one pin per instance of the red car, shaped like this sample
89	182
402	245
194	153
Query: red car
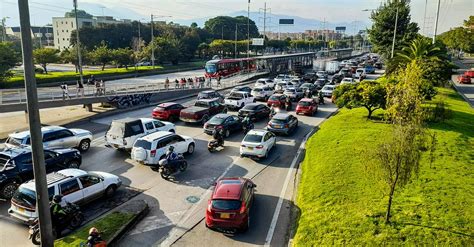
464	79
307	106
229	207
469	73
277	100
167	111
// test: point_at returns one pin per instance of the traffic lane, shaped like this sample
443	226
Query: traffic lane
12	233
269	185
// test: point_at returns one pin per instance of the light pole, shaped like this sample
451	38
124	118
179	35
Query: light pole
394	33
436	23
235	44
248	37
78	45
152	42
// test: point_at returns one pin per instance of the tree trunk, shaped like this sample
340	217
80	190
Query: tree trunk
103	66
44	67
370	110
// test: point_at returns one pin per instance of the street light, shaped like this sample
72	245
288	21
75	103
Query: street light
248	37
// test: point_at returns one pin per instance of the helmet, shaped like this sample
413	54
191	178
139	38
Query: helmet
171	149
57	198
93	230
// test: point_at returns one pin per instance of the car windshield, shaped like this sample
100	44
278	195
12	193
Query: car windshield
274	97
226	204
201	104
211	68
142	144
304	103
236	95
217	119
14	141
253	138
25	196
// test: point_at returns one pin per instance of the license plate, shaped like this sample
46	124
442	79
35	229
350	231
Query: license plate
250	148
21	210
225	215
276	126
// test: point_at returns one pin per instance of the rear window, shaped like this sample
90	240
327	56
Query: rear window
274	97
304	103
160	108
27	198
201	104
226	204
253	138
278	121
217	120
257	89
143	144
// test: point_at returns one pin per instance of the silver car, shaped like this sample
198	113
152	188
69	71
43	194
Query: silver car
54	137
294	94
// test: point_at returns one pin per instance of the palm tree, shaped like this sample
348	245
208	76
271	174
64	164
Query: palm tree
420	49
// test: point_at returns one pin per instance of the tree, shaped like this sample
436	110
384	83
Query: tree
458	39
469	23
70	56
381	32
122	57
203	49
43	56
420	49
80	14
8	59
223	27
102	55
368	94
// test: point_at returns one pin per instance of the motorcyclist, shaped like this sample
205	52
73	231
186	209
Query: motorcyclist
272	111
57	214
321	97
218	136
171	156
247	122
94	239
288	103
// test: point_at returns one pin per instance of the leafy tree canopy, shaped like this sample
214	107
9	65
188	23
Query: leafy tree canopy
43	56
8	58
80	14
225	26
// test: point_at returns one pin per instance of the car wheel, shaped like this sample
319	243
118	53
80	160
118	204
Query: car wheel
172	118
110	191
191	148
73	164
225	110
172	131
9	189
84	145
76	221
247	226
227	133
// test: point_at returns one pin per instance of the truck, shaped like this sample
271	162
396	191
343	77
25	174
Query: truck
332	67
238	99
202	111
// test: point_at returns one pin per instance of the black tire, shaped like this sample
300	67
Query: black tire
73	164
172	118
211	150
172	131
36	238
247	226
242	105
224	111
76	221
110	191
84	145
8	190
191	148
183	166
165	173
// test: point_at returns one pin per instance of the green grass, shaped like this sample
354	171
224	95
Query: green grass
342	204
17	80
107	225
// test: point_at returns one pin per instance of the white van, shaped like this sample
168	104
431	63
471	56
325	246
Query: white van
123	132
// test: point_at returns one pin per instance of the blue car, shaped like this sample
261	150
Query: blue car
369	69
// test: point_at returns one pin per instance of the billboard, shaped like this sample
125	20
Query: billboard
287	21
258	41
341	29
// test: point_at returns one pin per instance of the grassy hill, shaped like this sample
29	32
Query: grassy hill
342	204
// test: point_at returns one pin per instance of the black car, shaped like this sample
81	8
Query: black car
229	123
309	86
241	89
255	111
282	123
337	78
210	94
16	166
319	83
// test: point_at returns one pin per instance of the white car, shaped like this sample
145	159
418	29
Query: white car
322	74
327	90
282	77
257	143
262	93
360	74
348	80
281	86
76	186
122	133
150	149
265	82
238	99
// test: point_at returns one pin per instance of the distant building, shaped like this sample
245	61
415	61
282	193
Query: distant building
63	27
284	35
314	34
43	35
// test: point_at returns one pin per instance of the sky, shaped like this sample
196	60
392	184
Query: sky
452	12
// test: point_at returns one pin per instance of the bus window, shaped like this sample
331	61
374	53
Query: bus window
211	68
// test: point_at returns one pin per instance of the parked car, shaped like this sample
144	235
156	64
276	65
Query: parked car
319	83
241	89
16	165
277	100
265	82
202	111
54	137
167	111
348	80
257	143
144	63
337	78
469	73
210	94
281	86
262	93
307	106
294	94
230	203
238	99
152	148
464	79
360	74
309	86
322	74
122	133
76	186
283	123
227	123
327	90
255	111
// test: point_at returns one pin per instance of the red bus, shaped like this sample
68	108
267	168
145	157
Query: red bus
228	67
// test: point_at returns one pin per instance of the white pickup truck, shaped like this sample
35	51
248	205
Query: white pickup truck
239	99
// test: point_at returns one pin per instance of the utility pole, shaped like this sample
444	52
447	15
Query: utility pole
424	18
248	37
265	9
235	44
78	45
139	34
395	32
436	22
152	44
39	170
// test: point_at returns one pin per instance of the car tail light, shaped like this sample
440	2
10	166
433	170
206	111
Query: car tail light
209	206
205	126
153	153
243	208
195	116
259	147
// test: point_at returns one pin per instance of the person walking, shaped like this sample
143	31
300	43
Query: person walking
102	87
65	90
80	89
97	88
176	84
167	83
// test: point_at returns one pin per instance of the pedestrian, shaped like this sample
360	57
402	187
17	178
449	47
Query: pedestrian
97	88
190	82
201	82
102	87
218	81
183	83
65	91
176	84
80	89
167	83
196	82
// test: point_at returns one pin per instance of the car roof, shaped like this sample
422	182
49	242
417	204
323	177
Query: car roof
257	132
306	100
228	188
222	115
208	91
44	130
55	177
156	135
125	120
207	100
281	116
167	104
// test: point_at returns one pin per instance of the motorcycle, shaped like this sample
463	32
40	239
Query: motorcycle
321	99
288	105
247	127
166	170
73	220
214	144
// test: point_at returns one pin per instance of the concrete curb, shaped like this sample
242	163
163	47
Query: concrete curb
464	96
124	229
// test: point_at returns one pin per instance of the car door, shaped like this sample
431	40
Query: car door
51	161
66	139
24	166
179	144
162	146
176	109
51	140
149	128
92	187
71	191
